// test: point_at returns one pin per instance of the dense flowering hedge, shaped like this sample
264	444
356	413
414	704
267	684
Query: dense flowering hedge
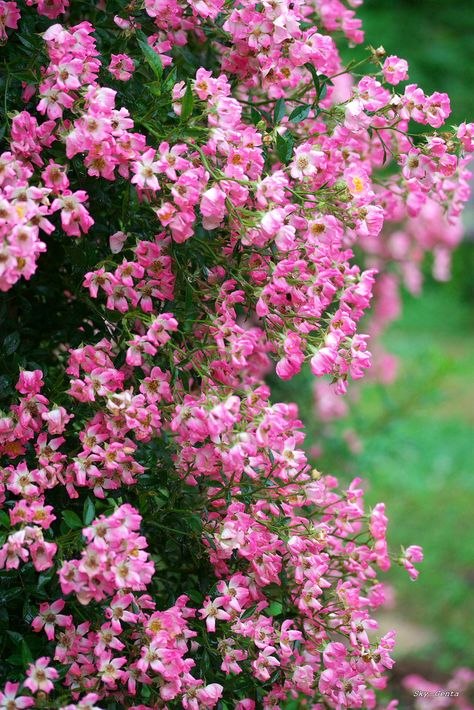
189	190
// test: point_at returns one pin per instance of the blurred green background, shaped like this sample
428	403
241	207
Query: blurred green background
417	435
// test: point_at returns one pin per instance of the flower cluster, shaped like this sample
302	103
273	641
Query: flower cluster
114	559
140	282
25	207
175	545
134	648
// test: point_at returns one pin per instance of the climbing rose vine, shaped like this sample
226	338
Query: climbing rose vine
193	192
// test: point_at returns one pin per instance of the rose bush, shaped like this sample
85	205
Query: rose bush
189	191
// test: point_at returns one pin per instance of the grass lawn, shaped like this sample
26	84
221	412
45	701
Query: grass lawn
417	455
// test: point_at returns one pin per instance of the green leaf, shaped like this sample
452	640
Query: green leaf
145	692
284	146
323	92
11	343
315	75
26	655
170	80
194	522
72	519
27	43
88	511
275	609
195	595
255	115
44	578
9	594
4	519
28	612
26	75
299	114
248	612
154	87
150	55
187	104
163	493
321	82
279	111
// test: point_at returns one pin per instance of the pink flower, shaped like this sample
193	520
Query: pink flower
413	102
85	703
356	119
51	8
265	663
40	676
395	70
437	109
306	161
42	554
372	94
55	177
378	522
358	182
324	359
411	556
50	616
370	221
117	241
57	419
211	611
209	695
213	207
109	668
225	112
159	331
9	16
74	216
465	133
121	67
145	170
170	159
30	382
303	678
9	700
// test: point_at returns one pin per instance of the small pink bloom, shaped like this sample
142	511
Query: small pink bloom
411	556
116	242
145	170
9	700
211	611
40	676
213	207
9	16
121	66
395	70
